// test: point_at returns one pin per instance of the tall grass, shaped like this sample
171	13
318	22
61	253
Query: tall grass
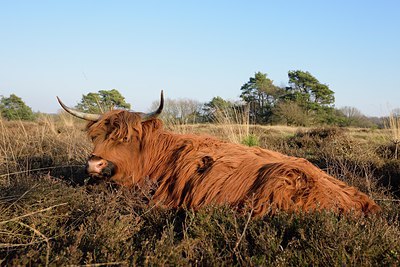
179	126
51	142
234	122
235	125
394	127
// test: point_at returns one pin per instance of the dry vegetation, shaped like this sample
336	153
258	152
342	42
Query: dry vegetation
50	214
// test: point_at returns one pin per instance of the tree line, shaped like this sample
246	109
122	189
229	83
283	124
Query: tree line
304	102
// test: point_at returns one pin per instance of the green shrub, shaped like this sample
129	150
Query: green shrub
251	140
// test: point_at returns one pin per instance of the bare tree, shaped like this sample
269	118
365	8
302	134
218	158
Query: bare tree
351	112
182	110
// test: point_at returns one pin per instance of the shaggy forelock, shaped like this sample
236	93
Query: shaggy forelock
116	125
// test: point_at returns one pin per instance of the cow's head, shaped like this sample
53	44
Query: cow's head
116	136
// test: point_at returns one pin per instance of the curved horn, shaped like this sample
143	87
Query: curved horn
154	114
79	114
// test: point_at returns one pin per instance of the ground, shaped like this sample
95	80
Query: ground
50	214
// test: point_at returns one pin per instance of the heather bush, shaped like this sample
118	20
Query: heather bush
52	214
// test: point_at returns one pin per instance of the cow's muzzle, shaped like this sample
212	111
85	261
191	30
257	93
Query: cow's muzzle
98	167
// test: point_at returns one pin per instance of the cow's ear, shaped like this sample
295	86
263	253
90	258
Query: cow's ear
99	129
152	125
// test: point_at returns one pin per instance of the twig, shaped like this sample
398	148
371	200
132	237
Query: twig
19	198
386	199
39	169
152	207
33	213
100	264
244	230
8	245
44	237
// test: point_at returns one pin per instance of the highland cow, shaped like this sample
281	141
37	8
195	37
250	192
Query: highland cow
192	171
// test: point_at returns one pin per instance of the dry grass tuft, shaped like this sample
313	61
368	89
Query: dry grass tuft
394	127
235	123
49	145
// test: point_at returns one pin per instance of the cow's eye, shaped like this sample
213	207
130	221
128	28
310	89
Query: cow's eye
125	139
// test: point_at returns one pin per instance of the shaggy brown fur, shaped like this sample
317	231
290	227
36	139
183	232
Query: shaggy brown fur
193	171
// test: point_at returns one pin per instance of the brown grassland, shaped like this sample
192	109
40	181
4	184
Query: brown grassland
51	214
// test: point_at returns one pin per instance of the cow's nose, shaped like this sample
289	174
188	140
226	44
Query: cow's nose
96	165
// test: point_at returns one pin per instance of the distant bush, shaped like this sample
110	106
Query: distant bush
290	113
14	108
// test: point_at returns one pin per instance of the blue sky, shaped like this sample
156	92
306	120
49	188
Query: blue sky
198	49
